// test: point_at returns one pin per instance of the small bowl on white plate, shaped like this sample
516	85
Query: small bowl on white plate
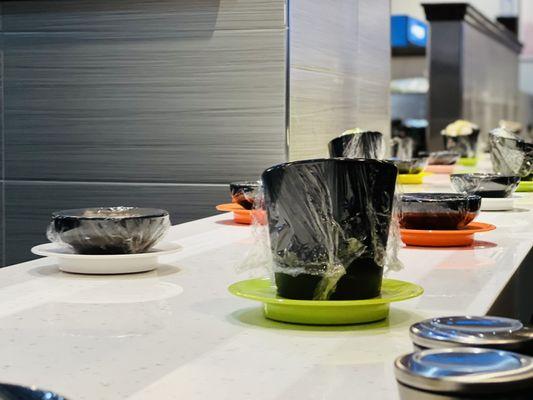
105	264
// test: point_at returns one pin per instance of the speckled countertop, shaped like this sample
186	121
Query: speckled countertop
176	333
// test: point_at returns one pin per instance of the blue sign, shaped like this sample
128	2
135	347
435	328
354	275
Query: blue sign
408	32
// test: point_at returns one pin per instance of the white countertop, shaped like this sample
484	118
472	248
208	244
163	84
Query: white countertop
176	333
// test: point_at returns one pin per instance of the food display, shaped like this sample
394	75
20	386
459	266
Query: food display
411	166
461	136
440	211
485	185
444	157
356	143
244	193
328	221
511	155
109	230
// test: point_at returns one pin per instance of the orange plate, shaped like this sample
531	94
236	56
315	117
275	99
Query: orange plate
440	169
436	238
242	215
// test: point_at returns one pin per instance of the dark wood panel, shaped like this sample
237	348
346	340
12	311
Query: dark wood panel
29	205
177	108
140	15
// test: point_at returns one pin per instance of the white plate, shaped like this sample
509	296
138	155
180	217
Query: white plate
497	204
69	261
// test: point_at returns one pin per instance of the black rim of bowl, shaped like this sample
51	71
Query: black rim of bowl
76	213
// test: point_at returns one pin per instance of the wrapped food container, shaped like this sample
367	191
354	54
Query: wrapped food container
244	193
511	155
466	373
410	166
484	331
485	185
438	210
328	223
443	157
356	143
109	230
461	136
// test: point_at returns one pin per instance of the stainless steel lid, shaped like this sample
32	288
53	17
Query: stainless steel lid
493	332
466	370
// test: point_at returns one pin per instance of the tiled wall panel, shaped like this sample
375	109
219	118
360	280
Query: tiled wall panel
184	107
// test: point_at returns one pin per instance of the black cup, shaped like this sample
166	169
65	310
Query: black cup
465	145
367	144
325	213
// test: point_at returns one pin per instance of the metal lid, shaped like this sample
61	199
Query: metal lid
465	370
494	332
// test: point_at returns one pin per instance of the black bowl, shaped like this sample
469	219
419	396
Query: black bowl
325	215
465	145
438	210
367	144
443	157
412	166
109	230
244	193
485	185
511	156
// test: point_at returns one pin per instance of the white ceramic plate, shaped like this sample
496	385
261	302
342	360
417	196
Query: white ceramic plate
69	261
497	204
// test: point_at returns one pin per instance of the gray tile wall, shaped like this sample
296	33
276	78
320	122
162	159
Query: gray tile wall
161	103
339	71
105	99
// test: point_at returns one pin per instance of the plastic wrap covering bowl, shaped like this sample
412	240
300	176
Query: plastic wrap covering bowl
465	145
412	166
244	193
328	223
366	144
443	157
438	210
485	185
511	155
109	230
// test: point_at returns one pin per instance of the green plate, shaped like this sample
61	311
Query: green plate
525	186
325	312
468	161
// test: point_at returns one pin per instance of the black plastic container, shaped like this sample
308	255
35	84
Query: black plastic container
511	155
325	215
465	145
411	166
441	211
485	185
109	230
443	157
366	144
244	193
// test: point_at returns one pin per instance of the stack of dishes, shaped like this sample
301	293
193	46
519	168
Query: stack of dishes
107	240
495	190
440	219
